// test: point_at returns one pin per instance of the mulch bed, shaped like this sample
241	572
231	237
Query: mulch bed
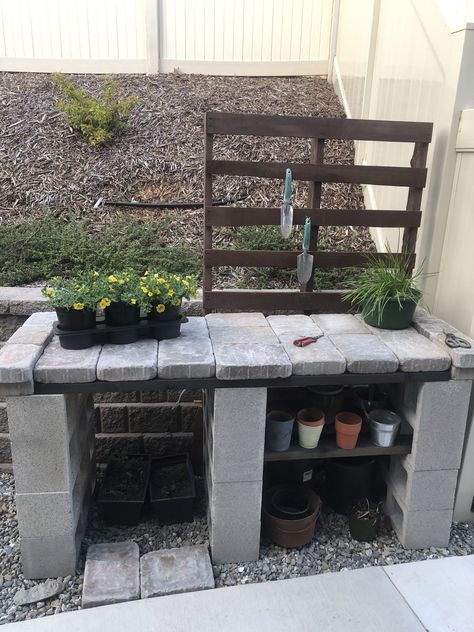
160	156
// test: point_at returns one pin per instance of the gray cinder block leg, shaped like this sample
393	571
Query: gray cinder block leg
234	438
52	439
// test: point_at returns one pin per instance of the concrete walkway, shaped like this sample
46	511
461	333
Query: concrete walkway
434	595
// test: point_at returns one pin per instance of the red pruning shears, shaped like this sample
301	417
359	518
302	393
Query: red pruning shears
304	341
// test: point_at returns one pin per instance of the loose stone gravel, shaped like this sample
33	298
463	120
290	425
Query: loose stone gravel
332	549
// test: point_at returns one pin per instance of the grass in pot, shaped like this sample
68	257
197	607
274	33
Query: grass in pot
386	291
75	299
364	520
121	298
164	293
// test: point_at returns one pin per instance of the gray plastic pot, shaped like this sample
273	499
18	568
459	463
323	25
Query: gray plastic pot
384	425
278	430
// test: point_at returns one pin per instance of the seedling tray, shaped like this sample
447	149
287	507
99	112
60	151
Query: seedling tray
123	510
171	509
120	334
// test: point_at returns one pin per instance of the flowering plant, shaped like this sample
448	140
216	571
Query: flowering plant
82	291
121	286
162	289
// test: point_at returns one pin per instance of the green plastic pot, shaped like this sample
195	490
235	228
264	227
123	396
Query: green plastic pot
393	316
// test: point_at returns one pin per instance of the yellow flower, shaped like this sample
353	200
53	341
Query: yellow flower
157	292
176	303
133	301
186	283
161	280
121	281
49	292
78	306
150	293
160	308
146	273
112	279
96	274
144	289
105	302
170	292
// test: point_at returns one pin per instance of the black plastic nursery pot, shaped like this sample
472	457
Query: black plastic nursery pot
123	491
171	312
364	528
172	489
121	313
349	479
75	319
395	315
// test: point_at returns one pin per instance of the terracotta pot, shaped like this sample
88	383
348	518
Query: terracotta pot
348	426
310	426
290	532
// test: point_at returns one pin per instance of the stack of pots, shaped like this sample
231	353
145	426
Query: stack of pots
289	514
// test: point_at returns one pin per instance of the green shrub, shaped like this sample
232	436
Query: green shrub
96	119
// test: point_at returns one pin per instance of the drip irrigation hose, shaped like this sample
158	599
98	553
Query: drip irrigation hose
104	202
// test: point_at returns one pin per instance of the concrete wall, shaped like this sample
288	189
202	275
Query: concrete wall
132	422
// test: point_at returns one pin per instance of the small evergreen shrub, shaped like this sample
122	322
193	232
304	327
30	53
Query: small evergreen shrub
95	118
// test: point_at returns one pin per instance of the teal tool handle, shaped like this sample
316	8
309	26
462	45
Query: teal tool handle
287	193
307	233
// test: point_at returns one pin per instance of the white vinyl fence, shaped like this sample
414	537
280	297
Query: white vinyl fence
226	37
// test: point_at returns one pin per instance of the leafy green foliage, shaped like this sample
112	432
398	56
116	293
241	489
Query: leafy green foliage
382	281
81	291
35	249
96	119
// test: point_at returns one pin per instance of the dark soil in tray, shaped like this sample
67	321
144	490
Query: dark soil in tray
171	481
125	480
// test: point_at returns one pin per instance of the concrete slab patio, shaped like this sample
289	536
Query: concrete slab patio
433	595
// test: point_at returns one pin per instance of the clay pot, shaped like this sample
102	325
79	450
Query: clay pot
310	426
348	426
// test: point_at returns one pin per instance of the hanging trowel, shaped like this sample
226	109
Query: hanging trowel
286	216
304	261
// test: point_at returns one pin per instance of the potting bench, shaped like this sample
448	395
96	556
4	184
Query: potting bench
50	411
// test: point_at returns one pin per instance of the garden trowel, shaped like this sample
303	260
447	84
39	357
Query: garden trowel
286	216
304	261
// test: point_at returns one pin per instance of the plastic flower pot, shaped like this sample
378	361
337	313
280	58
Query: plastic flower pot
310	426
171	312
75	319
121	313
370	398
290	532
290	502
395	315
278	430
350	479
348	426
330	399
384	426
364	521
172	489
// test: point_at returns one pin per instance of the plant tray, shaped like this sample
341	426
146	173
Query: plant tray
125	511
119	334
171	509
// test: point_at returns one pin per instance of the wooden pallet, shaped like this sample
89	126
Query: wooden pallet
318	130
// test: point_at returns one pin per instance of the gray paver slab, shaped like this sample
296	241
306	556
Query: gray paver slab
415	352
243	334
17	362
357	600
296	324
172	571
319	358
340	324
427	324
39	319
439	591
250	362
131	362
380	330
243	319
460	357
365	353
63	366
112	574
181	358
196	326
33	335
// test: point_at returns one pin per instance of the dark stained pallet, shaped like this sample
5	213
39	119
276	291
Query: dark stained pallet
327	449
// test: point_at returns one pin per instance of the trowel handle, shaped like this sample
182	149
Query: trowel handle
287	193
306	233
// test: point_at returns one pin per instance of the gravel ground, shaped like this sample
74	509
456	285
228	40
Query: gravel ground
332	549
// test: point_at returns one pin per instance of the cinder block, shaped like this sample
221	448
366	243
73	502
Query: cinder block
168	444
113	418
422	490
234	521
5	449
50	556
437	411
190	416
44	515
116	398
152	417
238	434
184	395
419	529
107	444
3	418
150	397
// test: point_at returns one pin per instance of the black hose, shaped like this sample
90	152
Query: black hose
165	204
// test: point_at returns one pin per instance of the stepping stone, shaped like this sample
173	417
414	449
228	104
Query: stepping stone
62	366
251	362
181	358
319	358
40	592
365	353
238	319
234	335
415	352
172	571
296	324
112	574
339	324
134	361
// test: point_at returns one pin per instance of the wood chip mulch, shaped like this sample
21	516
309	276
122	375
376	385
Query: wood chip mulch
160	156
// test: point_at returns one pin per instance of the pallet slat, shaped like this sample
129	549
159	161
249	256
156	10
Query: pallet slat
350	174
287	258
266	300
257	216
315	127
